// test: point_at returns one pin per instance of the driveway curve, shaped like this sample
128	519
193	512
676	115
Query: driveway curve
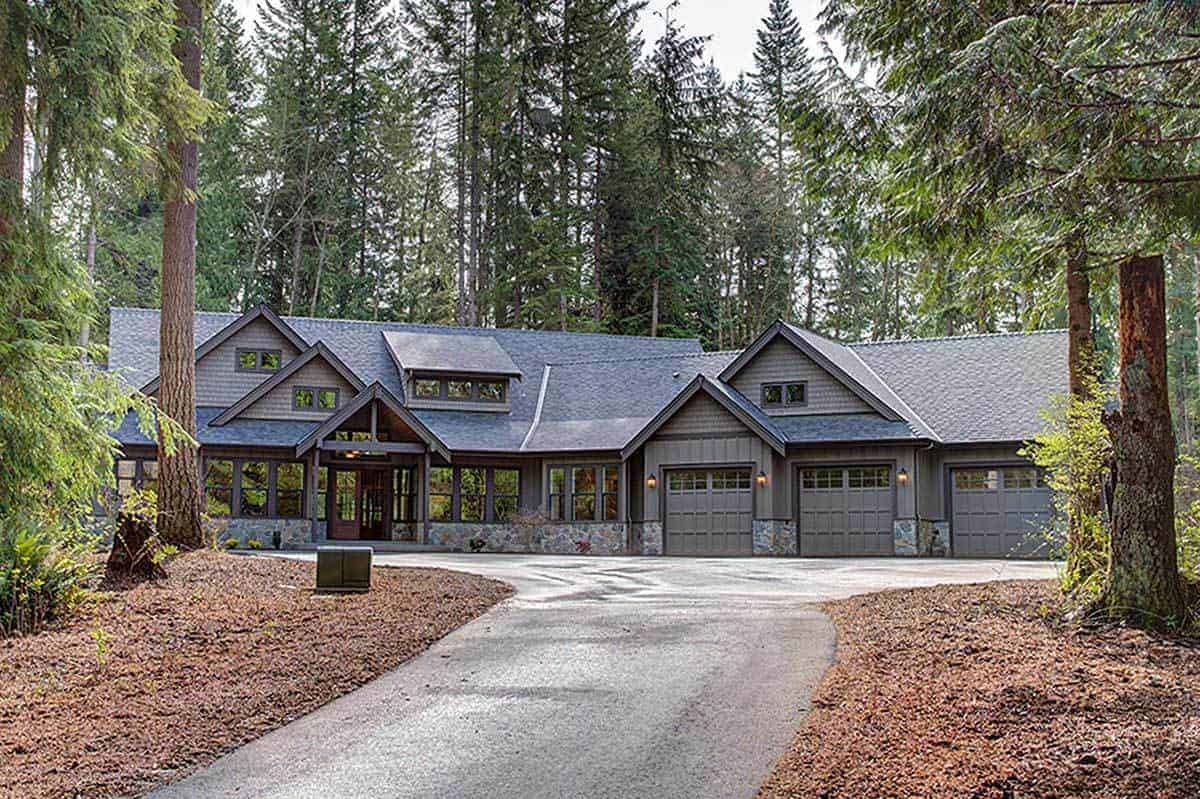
602	677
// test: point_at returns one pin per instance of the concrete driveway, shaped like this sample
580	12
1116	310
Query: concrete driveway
602	677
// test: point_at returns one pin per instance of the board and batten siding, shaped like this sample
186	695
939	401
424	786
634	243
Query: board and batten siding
702	433
781	362
933	491
218	382
316	374
895	457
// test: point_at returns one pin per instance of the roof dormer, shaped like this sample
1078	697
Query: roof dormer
452	372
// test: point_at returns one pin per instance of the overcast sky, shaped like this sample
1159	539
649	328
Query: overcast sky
730	23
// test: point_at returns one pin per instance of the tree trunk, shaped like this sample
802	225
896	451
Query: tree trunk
471	279
179	473
89	259
14	70
1143	579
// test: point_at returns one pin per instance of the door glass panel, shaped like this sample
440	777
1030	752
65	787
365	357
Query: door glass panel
289	489
472	488
346	496
441	493
254	488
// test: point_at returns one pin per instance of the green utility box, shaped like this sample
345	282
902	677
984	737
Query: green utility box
344	568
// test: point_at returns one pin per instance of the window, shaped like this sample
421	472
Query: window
345	496
134	473
784	394
590	495
289	489
1021	478
327	399
218	487
869	477
823	478
352	435
458	389
441	494
558	494
322	493
428	389
731	480
472	491
255	482
976	479
306	398
259	360
490	391
404	494
126	477
506	485
612	479
302	399
687	481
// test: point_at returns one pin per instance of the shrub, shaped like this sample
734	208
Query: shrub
1187	516
253	543
230	543
41	578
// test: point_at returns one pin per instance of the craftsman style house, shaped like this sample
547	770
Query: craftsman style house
514	440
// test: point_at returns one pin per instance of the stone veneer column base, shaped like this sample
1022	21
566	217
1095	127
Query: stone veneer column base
597	538
774	537
652	538
923	538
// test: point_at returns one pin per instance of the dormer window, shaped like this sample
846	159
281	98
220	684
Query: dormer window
460	390
490	391
784	395
428	389
259	360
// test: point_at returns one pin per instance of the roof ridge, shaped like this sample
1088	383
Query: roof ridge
647	357
423	325
966	336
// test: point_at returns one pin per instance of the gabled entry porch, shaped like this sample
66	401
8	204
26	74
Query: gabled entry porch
369	471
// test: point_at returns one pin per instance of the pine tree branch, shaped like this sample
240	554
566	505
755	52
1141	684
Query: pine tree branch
1161	62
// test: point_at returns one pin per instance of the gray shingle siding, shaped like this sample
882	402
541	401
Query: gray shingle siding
780	362
278	402
218	382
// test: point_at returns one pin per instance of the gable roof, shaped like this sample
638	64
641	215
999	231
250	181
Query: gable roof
375	391
318	350
729	398
834	358
220	336
239	432
438	352
975	389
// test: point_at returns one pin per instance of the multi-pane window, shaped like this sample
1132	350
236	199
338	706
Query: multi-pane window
428	389
345	496
306	399
404	494
259	360
1021	478
558	493
289	489
506	489
823	478
584	493
687	481
133	473
352	435
472	493
976	479
784	394
441	494
218	487
490	391
458	389
869	476
731	480
255	483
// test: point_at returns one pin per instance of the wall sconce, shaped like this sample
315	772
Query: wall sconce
902	477
762	478
651	481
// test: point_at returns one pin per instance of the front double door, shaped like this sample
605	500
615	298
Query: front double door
361	502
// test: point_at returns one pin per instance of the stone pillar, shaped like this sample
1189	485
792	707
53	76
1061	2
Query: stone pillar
652	538
904	537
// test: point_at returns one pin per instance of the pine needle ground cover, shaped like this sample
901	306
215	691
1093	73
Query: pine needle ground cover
148	684
982	691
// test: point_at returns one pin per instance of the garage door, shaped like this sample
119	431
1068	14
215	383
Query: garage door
846	511
999	512
709	512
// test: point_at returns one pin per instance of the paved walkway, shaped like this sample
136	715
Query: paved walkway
603	677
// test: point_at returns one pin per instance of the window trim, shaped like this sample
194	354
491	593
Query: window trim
258	367
272	507
444	381
569	487
783	394
489	494
316	398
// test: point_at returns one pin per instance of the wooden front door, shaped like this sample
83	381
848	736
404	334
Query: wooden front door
360	504
373	491
345	505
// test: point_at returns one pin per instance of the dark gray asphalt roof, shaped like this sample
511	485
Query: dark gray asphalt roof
240	431
841	427
441	352
975	388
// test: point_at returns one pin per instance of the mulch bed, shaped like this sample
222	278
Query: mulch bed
983	691
150	683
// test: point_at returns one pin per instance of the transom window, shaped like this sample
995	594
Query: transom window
976	479
731	480
459	389
584	492
473	493
869	476
823	478
305	398
1024	478
780	395
255	488
259	360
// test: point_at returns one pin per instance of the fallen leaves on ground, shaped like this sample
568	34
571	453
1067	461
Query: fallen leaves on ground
982	691
147	684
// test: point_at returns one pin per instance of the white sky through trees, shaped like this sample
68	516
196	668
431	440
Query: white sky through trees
730	23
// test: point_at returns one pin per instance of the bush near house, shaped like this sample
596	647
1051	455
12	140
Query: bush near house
42	578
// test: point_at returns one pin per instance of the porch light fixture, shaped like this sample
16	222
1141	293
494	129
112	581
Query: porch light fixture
651	481
762	478
902	477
